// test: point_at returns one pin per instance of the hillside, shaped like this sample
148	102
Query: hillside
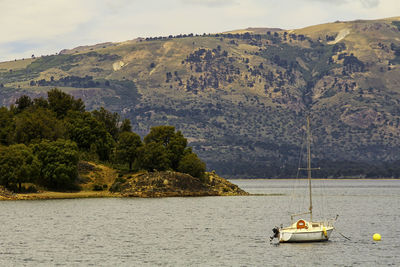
241	97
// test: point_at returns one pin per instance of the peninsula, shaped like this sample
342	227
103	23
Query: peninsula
97	181
53	148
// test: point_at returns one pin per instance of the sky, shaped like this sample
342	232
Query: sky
44	27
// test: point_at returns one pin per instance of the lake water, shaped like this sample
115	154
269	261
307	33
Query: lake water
206	231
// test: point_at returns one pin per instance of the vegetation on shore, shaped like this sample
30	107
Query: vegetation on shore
100	181
46	143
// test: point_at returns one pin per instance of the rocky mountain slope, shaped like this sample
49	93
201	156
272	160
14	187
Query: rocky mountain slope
242	96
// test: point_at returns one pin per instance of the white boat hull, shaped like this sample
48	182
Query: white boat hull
305	231
304	235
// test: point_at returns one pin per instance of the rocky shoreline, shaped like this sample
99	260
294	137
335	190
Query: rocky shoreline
145	185
175	184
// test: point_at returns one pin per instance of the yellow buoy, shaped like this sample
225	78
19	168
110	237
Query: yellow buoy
377	237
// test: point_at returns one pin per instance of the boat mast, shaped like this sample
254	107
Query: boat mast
309	164
309	169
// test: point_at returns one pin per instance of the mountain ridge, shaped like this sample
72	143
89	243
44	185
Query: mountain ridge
241	97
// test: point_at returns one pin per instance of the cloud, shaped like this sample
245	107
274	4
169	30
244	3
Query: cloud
116	6
210	3
364	3
370	3
36	20
330	2
48	26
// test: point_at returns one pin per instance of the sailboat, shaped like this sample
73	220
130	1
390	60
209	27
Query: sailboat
305	230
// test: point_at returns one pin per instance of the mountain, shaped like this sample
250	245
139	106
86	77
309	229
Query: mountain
242	96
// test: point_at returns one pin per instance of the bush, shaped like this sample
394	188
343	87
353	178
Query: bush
116	187
29	189
97	187
192	165
120	180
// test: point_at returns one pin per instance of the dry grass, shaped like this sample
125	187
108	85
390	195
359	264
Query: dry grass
65	195
14	65
97	175
59	195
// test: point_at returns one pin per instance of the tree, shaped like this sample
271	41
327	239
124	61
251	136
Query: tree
176	149
125	126
109	119
173	142
89	133
191	164
58	164
61	103
17	165
153	156
40	102
7	126
23	102
127	147
37	124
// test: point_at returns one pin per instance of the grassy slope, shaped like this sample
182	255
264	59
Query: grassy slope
255	119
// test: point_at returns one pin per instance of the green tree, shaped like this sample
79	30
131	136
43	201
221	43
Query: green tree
17	165
7	126
37	124
109	119
127	147
191	164
23	102
89	133
40	102
173	142
125	126
61	103
58	164
153	156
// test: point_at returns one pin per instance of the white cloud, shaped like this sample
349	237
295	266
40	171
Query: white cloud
210	3
47	26
370	3
43	19
364	3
